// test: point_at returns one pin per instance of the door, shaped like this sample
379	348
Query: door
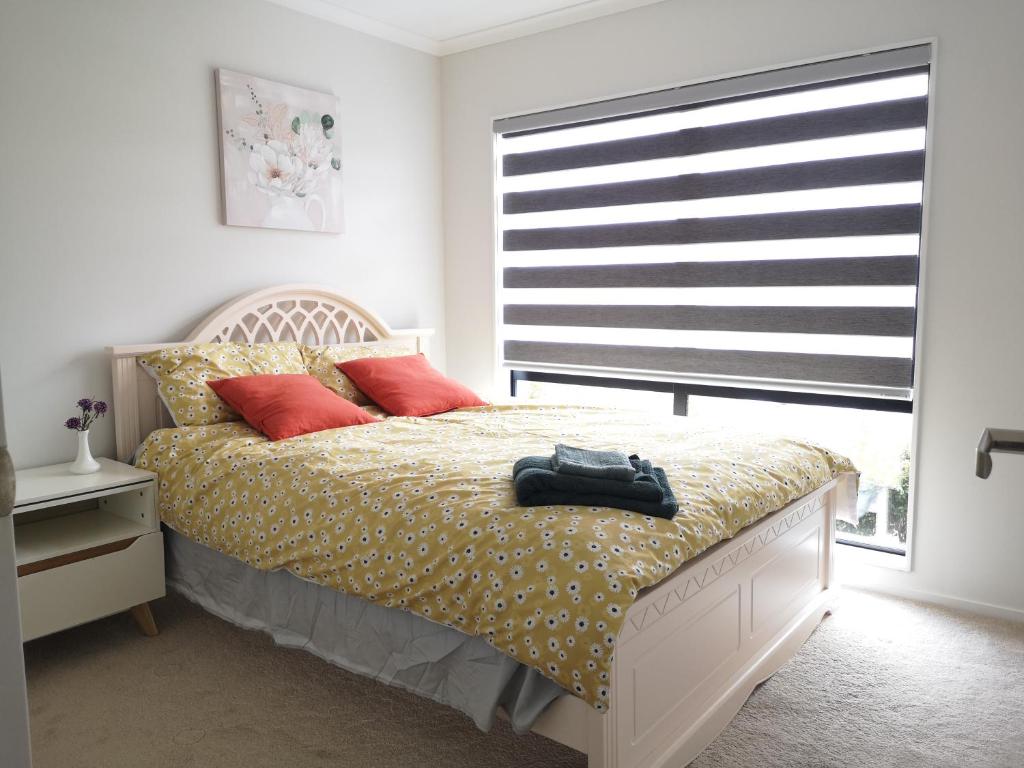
14	743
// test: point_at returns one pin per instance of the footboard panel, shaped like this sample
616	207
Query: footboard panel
694	647
694	636
670	675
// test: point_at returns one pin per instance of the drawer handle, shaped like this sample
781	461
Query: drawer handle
75	557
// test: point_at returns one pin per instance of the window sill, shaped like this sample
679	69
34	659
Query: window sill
851	560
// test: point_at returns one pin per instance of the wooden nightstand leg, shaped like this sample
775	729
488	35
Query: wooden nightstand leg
144	618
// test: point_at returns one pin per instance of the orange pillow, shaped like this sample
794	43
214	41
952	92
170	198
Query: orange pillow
283	405
408	385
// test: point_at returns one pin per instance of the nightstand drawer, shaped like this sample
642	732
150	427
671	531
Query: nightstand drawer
73	594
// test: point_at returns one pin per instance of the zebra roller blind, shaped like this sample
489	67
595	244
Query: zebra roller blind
759	231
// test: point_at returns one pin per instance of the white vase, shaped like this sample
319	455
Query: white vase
287	213
84	463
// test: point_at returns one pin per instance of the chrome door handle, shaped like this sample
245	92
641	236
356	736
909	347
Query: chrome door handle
997	441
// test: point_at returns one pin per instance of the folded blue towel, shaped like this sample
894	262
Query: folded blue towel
538	484
611	465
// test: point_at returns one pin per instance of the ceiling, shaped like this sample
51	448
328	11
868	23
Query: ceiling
441	27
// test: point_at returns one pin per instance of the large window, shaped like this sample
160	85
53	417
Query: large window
745	249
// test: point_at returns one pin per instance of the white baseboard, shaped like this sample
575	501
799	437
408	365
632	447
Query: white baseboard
946	601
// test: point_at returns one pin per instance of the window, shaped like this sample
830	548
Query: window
730	244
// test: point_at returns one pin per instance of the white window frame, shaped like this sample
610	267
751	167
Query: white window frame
851	556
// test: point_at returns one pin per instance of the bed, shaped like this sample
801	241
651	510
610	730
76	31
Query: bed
638	659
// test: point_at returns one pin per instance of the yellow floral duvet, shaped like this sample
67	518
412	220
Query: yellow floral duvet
420	514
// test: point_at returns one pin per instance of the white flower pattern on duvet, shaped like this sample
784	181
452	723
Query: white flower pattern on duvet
420	514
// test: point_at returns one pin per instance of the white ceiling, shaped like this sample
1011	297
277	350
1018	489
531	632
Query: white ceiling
441	27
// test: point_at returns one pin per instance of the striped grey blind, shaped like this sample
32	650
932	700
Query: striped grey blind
757	231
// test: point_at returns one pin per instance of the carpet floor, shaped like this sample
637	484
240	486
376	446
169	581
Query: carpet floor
884	682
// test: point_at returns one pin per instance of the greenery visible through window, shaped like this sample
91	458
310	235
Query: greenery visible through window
896	512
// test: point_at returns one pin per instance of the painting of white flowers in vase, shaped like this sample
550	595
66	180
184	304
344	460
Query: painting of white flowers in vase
281	153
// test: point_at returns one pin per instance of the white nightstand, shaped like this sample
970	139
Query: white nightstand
87	546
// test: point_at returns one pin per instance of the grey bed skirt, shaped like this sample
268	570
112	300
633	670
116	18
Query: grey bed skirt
387	644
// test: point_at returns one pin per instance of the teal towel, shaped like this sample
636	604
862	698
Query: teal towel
537	484
643	488
611	465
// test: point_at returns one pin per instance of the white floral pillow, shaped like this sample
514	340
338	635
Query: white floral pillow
181	374
320	362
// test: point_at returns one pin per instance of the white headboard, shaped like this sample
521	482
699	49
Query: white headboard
309	314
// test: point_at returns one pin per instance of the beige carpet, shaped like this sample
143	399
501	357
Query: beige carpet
882	683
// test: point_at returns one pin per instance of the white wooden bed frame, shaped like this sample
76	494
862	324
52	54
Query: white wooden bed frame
692	648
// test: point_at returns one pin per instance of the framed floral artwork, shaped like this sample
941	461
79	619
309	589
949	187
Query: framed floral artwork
281	155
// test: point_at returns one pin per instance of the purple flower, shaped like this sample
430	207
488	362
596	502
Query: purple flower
73	423
99	407
85	404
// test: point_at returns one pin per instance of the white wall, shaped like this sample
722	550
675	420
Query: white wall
972	367
110	228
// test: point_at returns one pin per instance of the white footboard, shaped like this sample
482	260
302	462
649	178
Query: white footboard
694	647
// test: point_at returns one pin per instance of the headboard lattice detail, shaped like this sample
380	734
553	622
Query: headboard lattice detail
306	314
306	321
